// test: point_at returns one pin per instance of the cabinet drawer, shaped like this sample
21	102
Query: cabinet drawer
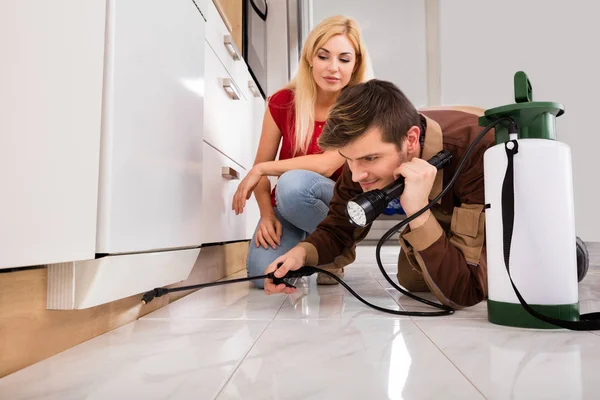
219	183
221	41
226	110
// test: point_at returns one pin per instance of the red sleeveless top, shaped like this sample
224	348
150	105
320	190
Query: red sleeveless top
283	111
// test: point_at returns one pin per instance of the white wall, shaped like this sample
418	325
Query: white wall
552	41
555	42
394	33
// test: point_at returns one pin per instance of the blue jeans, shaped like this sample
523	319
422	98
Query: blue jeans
302	199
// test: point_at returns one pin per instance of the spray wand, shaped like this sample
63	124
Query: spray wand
304	271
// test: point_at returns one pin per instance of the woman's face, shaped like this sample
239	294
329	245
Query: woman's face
334	63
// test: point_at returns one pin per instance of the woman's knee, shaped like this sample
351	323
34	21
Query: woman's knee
299	188
295	185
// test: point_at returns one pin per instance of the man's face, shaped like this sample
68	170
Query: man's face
372	161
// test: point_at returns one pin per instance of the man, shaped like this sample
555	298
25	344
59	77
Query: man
382	136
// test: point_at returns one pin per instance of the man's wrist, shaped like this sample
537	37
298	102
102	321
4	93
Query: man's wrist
309	253
301	253
420	220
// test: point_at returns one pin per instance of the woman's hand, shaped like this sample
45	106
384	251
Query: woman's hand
268	232
245	189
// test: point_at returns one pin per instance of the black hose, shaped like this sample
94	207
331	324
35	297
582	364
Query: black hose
309	270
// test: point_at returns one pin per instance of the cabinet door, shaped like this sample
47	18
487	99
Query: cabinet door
225	111
151	165
50	107
223	44
221	179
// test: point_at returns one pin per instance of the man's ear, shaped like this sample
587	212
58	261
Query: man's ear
412	139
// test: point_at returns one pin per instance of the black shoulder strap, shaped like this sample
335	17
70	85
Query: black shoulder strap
588	322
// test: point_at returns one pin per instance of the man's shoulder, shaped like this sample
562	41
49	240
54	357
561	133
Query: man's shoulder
473	110
454	116
459	125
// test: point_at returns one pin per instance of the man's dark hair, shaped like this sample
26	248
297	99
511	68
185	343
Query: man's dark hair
374	103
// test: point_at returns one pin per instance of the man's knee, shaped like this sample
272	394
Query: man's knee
413	282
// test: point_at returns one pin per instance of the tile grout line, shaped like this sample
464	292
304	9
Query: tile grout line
448	358
389	294
237	366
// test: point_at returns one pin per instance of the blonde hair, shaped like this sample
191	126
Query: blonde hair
304	85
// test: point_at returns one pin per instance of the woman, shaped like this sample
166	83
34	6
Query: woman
333	57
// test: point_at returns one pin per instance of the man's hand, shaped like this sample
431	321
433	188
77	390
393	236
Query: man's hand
291	261
245	189
419	177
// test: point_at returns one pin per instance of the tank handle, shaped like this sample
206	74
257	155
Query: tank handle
523	90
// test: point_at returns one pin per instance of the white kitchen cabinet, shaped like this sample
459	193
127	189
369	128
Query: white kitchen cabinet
221	179
221	41
151	149
50	113
226	109
149	216
234	110
102	127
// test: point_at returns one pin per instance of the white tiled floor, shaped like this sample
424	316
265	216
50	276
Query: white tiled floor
233	342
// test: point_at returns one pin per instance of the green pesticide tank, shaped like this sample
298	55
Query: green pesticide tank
542	260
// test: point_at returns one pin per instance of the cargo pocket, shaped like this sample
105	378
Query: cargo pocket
468	230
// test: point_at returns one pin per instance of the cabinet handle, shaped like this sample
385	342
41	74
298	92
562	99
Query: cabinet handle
231	89
229	173
231	48
253	88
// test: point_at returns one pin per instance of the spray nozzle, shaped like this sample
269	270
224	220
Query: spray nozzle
149	296
303	271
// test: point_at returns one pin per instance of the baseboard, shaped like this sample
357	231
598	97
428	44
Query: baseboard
84	284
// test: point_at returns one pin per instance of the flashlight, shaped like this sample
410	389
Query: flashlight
364	208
